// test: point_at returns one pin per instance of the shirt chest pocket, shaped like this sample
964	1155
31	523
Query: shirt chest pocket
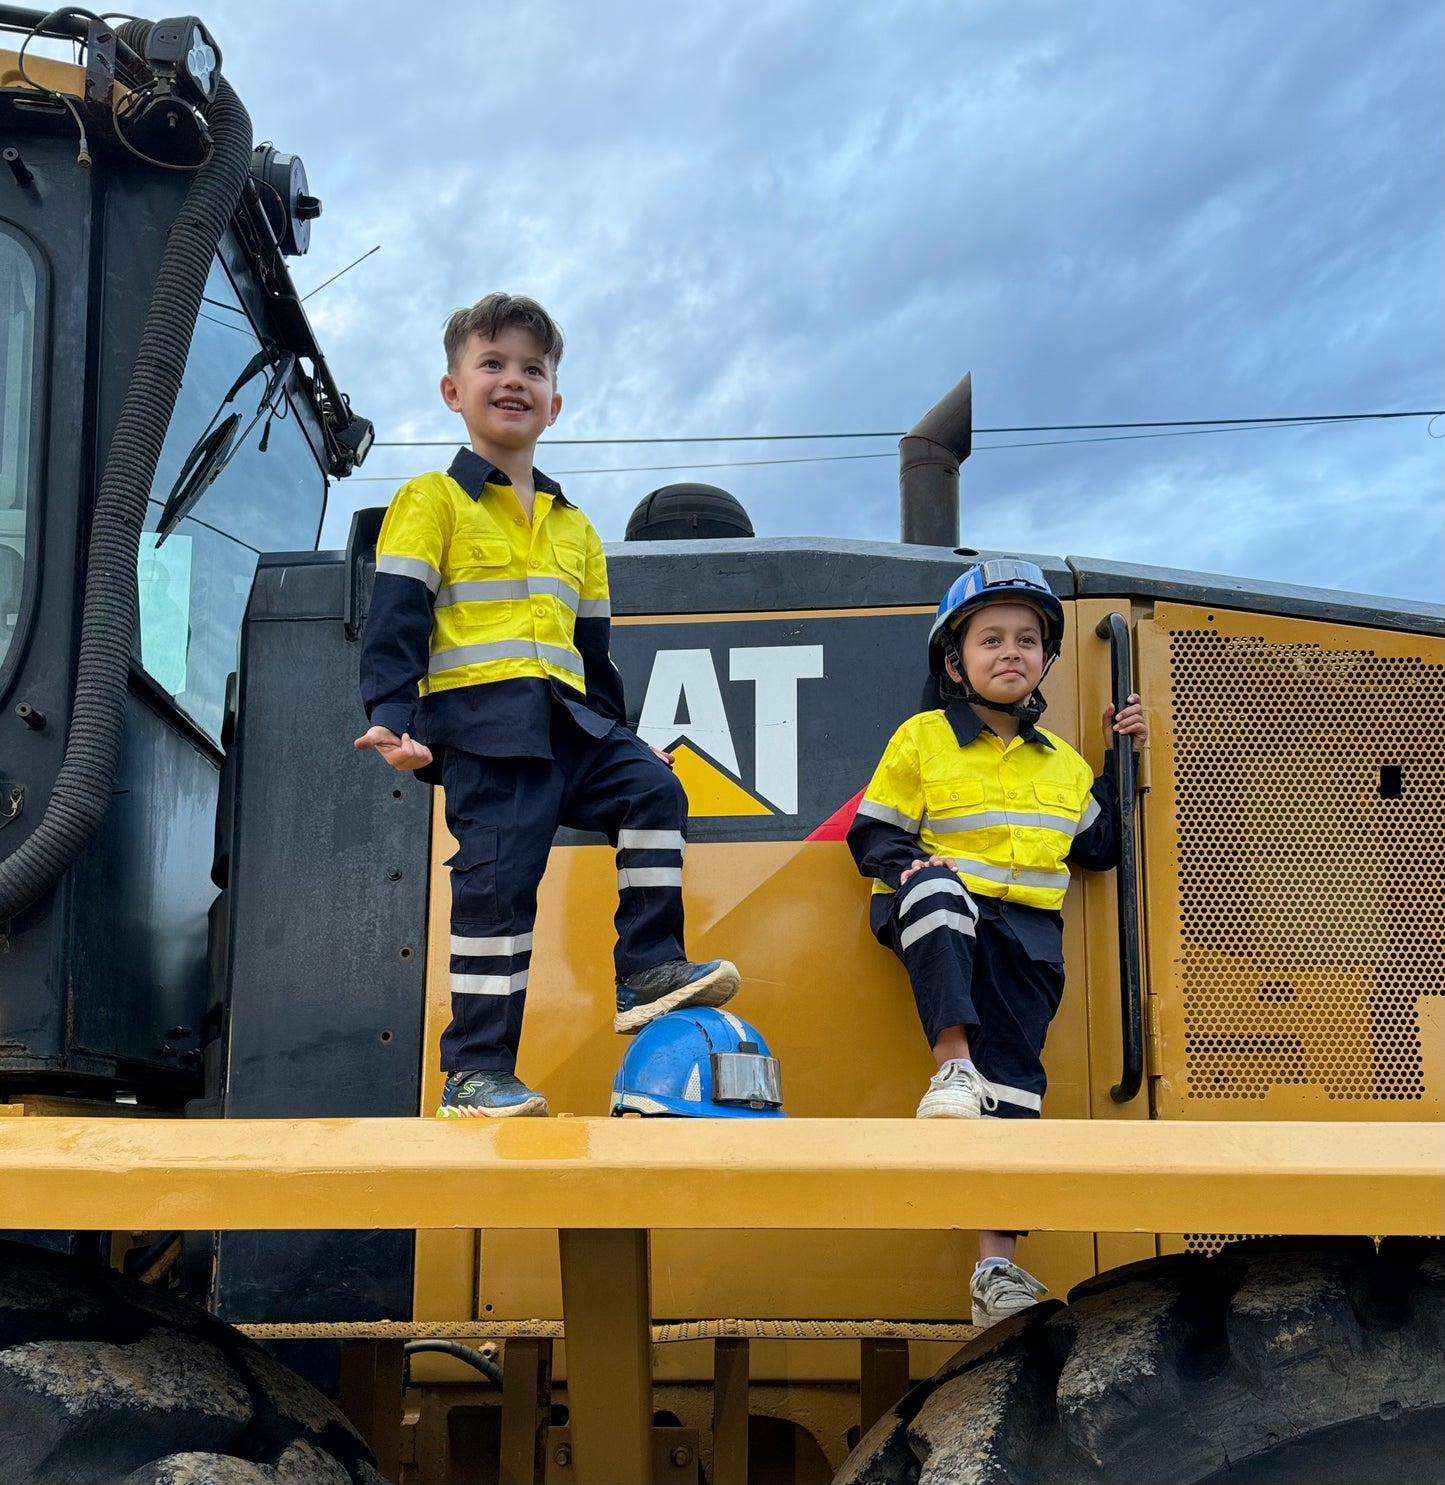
570	561
952	798
476	556
1059	799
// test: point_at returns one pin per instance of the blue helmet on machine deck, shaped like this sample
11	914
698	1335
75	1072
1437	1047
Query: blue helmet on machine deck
699	1063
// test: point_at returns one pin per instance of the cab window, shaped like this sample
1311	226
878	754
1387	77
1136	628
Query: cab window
233	414
18	289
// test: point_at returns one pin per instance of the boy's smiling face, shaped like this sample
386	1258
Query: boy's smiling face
503	389
1003	652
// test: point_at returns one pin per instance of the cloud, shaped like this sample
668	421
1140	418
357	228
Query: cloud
813	217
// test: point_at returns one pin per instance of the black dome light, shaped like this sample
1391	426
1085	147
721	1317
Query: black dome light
688	512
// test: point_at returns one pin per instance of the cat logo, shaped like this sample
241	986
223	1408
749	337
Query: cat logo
683	713
775	721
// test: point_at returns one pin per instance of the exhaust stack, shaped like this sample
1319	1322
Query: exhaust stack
928	458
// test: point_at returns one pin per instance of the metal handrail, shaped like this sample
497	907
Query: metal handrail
1115	628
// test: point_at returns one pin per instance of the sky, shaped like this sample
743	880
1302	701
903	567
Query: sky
813	216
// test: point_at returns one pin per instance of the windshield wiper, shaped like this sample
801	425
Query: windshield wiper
218	444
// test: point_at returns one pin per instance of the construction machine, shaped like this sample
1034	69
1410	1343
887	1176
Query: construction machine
224	955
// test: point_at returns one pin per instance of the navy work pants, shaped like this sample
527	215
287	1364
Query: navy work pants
968	968
504	813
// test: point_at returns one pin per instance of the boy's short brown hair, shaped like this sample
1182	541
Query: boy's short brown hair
497	312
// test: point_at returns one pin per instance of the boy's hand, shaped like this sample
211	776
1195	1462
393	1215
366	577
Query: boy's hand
401	752
918	866
1131	722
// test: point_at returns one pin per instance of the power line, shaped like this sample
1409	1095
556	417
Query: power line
422	443
1233	425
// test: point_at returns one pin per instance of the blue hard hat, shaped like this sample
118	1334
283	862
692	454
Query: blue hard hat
700	1063
998	580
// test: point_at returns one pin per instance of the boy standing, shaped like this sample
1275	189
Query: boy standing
967	828
487	644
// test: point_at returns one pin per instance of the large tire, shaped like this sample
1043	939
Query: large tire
1274	1361
104	1381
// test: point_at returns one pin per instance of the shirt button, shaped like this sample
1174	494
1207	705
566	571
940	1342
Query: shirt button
534	563
541	613
1013	793
1015	876
953	796
519	520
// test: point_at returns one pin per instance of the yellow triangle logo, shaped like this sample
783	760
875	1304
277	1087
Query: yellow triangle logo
709	790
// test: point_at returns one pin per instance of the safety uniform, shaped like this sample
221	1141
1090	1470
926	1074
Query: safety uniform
983	946
487	639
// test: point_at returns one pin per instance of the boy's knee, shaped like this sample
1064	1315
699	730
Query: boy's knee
668	794
934	882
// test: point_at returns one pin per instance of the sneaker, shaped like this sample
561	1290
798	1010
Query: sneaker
669	987
956	1091
1000	1290
489	1095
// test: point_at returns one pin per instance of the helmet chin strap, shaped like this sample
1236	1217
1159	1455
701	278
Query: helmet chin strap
1028	712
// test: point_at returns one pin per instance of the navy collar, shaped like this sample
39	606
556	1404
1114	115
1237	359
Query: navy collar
967	725
471	472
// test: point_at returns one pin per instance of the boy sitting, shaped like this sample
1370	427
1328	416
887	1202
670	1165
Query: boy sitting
967	828
487	644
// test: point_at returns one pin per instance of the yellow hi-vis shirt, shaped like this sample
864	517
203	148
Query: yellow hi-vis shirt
506	593
1007	814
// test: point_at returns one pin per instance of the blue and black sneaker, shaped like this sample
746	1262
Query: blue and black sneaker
489	1095
668	987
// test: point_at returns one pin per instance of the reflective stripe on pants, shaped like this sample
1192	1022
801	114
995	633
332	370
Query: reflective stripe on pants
504	813
967	968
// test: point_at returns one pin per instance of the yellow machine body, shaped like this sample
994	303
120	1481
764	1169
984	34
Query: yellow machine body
1262	1004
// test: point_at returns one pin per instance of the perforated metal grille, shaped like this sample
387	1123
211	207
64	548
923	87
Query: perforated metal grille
1209	1243
1310	810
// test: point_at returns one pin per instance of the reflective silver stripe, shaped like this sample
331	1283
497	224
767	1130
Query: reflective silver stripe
507	590
888	815
936	823
933	887
651	840
489	590
563	659
489	984
640	1103
1091	813
943	918
595	608
505	649
648	876
1016	1096
412	567
491	948
1009	877
956	824
553	587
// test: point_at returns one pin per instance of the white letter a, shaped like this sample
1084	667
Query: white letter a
686	678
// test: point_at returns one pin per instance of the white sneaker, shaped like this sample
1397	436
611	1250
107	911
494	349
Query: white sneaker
1001	1290
957	1091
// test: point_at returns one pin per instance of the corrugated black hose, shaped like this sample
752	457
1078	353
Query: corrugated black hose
83	787
484	1364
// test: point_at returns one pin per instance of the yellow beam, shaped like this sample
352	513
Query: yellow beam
609	1354
1060	1175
